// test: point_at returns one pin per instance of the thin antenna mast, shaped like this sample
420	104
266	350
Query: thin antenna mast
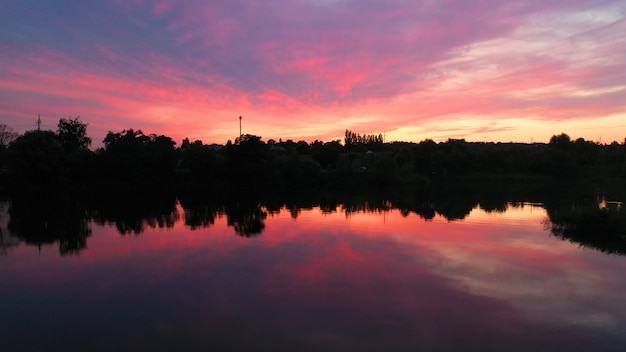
38	122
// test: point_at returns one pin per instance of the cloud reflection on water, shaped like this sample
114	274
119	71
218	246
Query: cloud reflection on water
323	280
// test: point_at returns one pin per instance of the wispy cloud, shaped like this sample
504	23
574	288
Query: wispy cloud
309	69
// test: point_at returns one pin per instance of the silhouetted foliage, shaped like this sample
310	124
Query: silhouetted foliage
247	161
131	157
356	142
326	154
7	135
73	135
37	160
200	164
561	142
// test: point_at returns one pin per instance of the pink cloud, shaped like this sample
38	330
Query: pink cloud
161	8
312	69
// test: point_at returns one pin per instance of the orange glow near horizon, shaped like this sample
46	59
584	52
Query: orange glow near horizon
412	71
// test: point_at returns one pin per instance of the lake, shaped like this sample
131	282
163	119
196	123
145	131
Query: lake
342	277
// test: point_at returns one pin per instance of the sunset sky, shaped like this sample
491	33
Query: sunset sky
483	70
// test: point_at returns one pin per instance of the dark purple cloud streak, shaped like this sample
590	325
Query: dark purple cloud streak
309	69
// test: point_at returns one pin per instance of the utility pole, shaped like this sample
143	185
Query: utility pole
240	128
38	122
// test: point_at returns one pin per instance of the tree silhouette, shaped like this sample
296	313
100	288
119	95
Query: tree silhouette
354	140
7	135
73	135
562	141
248	159
37	159
133	157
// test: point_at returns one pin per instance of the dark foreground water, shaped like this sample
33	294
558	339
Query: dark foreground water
311	280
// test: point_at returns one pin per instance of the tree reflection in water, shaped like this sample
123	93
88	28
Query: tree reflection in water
200	210
45	219
601	228
64	218
133	212
246	217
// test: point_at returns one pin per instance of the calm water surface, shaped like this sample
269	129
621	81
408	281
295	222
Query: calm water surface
321	281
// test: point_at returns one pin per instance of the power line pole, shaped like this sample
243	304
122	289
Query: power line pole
240	128
38	122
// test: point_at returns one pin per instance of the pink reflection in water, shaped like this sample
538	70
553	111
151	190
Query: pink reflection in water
491	281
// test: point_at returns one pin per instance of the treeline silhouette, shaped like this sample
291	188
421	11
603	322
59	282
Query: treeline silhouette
57	184
130	158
